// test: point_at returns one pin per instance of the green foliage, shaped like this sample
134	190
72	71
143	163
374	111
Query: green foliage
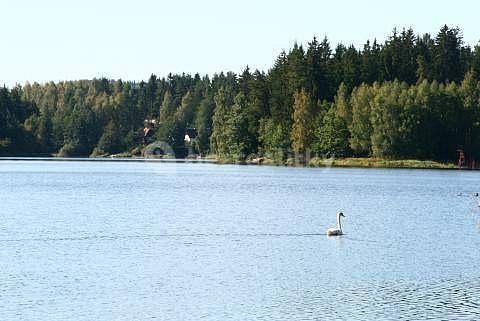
331	136
111	140
274	138
342	104
386	120
230	139
14	138
361	127
203	124
302	128
220	140
470	94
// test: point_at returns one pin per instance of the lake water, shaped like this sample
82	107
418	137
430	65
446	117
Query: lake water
141	241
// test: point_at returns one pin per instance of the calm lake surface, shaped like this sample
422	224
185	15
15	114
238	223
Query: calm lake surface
141	241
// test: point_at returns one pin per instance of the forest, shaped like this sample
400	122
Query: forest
410	97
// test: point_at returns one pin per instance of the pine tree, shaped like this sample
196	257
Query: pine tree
447	61
110	142
203	124
167	108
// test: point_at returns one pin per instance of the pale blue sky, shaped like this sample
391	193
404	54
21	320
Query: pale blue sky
60	40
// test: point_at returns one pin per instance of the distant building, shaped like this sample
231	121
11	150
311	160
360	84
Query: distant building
190	142
151	122
149	131
190	134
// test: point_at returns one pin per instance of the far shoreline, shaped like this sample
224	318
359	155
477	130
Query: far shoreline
107	159
312	163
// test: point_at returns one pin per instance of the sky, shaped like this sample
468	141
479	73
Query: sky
54	40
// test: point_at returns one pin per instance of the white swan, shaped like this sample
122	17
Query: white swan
338	230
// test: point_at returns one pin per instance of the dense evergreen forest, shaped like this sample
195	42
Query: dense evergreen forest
410	97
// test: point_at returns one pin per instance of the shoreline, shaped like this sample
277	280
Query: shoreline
352	162
312	163
109	159
384	163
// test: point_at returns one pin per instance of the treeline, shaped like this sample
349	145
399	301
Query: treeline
409	97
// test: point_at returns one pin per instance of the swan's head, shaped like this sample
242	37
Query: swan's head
340	214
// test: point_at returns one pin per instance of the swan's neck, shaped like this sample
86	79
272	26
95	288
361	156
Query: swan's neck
339	223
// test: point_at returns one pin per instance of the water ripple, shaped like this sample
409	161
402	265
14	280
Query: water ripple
159	236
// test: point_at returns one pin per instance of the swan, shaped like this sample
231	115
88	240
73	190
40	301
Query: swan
338	230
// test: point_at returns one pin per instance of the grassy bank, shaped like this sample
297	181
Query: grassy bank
380	163
358	162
